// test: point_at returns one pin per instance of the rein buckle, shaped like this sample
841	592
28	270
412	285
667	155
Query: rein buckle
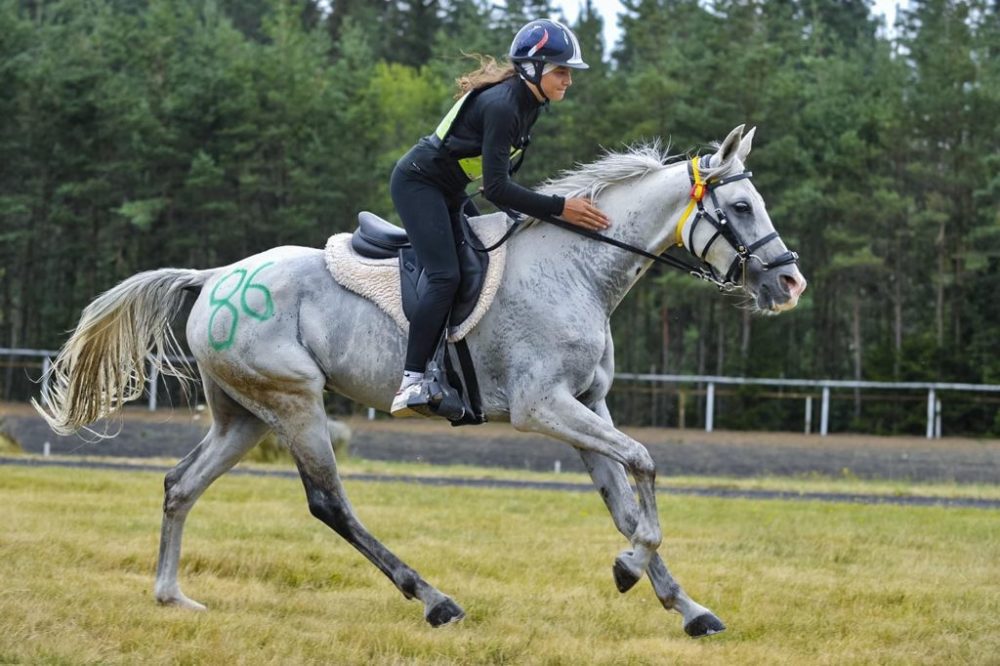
698	191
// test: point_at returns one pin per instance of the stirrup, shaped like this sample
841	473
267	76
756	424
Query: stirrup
439	399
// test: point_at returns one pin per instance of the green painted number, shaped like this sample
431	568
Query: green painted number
224	303
268	303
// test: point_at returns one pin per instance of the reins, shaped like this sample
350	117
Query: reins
704	270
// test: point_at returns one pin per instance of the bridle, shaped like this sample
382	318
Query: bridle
744	251
703	270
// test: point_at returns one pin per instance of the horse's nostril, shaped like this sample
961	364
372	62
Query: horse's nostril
790	284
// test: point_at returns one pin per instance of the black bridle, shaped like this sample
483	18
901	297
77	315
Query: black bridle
702	270
744	251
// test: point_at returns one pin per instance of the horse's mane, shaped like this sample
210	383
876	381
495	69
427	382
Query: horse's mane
612	168
637	160
589	180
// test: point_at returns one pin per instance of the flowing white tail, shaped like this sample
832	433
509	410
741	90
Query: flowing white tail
103	364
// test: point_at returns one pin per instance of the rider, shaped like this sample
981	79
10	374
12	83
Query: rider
487	127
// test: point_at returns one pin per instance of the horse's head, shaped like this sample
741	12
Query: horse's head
732	232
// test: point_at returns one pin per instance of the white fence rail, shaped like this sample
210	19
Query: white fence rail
933	389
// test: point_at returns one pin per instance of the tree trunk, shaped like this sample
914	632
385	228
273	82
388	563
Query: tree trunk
856	349
745	341
939	298
897	308
665	338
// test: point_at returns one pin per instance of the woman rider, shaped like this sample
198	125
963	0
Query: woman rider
488	125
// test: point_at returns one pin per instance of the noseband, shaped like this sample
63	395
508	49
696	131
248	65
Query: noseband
729	233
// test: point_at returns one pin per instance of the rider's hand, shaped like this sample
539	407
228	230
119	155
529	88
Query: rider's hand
584	214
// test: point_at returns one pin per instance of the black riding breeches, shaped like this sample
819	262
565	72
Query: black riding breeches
431	217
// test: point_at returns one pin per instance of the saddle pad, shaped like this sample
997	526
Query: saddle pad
378	279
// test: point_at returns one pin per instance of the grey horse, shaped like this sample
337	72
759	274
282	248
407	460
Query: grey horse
274	331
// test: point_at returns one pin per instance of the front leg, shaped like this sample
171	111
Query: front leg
609	478
562	416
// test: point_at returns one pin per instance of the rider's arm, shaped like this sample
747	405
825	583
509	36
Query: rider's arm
499	133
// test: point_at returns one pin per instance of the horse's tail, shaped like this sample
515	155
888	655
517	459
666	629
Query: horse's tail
103	364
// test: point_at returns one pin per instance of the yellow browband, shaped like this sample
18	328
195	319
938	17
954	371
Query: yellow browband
697	193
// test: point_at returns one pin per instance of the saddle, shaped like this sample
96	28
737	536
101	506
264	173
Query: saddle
378	263
377	239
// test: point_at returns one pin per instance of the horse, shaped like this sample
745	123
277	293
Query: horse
272	332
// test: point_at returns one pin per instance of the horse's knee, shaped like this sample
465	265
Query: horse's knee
642	464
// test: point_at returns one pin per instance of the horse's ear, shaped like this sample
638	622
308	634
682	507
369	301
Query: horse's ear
728	149
745	144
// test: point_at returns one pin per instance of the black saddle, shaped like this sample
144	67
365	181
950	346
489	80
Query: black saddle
377	239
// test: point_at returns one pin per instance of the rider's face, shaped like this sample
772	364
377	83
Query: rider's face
555	83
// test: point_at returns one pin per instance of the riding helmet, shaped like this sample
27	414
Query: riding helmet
545	41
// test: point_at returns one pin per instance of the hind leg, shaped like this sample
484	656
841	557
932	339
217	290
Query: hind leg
306	434
612	483
233	433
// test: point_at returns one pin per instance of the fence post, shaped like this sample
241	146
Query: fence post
931	400
809	414
681	407
652	398
937	419
154	376
824	412
710	408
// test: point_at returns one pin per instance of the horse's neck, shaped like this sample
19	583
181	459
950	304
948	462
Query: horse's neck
643	213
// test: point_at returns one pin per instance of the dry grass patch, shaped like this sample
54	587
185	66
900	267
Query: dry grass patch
796	582
8	445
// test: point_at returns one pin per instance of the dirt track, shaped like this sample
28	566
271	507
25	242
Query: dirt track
687	452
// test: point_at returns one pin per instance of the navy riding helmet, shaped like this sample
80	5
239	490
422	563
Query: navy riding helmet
542	42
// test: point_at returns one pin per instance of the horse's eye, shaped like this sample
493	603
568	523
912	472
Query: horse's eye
741	207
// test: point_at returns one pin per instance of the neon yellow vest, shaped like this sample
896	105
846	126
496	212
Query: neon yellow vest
472	166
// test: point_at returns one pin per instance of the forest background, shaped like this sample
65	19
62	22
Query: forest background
138	134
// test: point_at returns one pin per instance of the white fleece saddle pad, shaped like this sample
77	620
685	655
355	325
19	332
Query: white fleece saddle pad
378	279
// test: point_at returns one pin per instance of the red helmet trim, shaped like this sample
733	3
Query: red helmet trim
545	38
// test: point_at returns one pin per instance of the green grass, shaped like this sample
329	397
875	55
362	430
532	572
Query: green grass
796	582
812	483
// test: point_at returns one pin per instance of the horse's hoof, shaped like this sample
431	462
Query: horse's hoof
704	625
180	601
444	612
625	576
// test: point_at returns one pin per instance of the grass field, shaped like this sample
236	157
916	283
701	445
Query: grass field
797	582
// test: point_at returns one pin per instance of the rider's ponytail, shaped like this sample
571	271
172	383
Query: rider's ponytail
489	72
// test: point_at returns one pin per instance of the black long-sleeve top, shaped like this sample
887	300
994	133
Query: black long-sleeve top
489	124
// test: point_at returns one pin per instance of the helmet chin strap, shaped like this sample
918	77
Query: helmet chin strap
532	72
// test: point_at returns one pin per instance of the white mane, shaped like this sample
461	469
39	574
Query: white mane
589	180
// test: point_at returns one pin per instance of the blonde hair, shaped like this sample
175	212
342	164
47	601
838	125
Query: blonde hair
488	73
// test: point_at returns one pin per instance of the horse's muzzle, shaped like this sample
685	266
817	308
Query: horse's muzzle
777	290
